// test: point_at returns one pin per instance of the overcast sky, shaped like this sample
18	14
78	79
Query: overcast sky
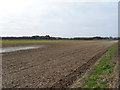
65	18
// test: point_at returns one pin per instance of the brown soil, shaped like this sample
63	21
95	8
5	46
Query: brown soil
57	65
119	62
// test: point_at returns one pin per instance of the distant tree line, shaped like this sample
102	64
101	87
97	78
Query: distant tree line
96	38
47	37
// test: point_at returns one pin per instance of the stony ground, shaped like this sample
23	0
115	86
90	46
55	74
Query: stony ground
46	67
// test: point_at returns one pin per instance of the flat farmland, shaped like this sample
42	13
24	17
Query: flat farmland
58	64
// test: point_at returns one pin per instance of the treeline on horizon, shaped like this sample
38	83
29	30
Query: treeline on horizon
47	37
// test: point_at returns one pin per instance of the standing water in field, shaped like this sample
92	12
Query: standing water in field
11	49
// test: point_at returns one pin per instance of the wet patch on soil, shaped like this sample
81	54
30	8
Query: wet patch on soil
17	48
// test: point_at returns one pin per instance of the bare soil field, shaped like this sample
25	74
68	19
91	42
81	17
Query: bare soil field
57	65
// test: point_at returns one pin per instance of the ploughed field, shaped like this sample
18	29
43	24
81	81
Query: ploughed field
58	64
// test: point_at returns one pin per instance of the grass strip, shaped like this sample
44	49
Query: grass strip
102	76
28	41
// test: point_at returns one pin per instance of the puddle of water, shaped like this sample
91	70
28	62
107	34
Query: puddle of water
11	49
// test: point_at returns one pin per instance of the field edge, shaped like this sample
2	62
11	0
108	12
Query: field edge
91	76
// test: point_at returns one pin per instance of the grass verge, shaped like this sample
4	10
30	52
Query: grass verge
102	76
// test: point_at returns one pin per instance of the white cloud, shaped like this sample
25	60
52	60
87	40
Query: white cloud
57	17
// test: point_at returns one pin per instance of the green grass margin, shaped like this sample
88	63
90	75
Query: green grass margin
101	76
29	41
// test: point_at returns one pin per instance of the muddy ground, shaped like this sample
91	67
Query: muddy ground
57	65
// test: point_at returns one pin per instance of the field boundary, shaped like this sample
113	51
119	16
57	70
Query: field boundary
72	77
89	76
79	83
